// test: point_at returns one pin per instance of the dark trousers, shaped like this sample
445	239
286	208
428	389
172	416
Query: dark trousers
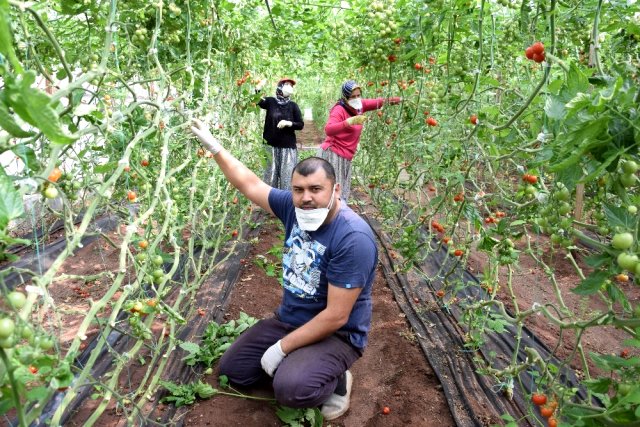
305	378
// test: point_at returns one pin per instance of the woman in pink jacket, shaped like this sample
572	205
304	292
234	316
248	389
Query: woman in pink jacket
343	130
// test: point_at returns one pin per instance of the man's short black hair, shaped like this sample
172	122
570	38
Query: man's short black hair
312	164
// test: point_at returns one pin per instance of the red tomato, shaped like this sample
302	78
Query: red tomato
528	53
538	399
33	369
546	411
537	47
234	233
417	66
458	252
144	162
473	119
538	57
392	58
55	175
440	293
143	244
131	195
432	122
553	422
386	410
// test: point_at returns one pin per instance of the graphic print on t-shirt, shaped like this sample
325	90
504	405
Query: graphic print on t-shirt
301	263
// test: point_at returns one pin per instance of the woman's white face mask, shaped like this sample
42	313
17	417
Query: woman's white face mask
287	90
355	103
312	219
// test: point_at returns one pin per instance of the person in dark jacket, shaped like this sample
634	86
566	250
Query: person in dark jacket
282	120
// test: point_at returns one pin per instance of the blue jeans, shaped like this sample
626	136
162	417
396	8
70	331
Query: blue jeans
305	378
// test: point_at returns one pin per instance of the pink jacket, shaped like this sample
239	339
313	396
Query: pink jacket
343	139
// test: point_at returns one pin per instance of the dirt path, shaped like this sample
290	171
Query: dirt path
393	371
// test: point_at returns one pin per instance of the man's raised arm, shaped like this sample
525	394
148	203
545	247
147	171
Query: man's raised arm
233	169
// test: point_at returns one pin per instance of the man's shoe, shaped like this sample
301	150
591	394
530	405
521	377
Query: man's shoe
338	404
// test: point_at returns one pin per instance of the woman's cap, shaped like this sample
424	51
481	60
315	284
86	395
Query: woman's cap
286	79
348	87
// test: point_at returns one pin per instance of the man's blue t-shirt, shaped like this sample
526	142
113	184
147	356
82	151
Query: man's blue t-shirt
342	252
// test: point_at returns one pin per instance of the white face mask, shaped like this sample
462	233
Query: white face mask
287	90
356	104
312	219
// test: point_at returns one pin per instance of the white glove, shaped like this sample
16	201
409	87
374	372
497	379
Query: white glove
272	358
356	120
209	141
260	85
284	123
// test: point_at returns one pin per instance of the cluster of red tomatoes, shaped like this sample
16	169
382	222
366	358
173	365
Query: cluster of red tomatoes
535	52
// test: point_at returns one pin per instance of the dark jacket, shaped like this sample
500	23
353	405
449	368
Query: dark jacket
285	137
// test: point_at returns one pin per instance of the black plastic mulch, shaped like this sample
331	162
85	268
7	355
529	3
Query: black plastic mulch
474	400
212	297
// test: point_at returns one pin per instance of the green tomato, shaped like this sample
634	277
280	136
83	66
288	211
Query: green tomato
566	223
46	343
50	192
564	208
8	342
17	299
141	257
562	195
6	328
157	260
624	389
622	241
636	311
632	209
627	261
26	355
26	332
629	167
530	190
157	274
628	180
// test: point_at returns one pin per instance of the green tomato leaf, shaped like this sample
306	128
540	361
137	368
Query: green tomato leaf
6	41
591	284
36	394
45	117
27	155
554	108
597	260
11	206
600	385
6	403
619	217
8	123
618	296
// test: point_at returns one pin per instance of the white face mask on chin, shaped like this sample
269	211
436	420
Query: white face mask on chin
312	219
287	90
356	104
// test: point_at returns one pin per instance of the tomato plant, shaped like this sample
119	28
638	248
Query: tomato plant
110	104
